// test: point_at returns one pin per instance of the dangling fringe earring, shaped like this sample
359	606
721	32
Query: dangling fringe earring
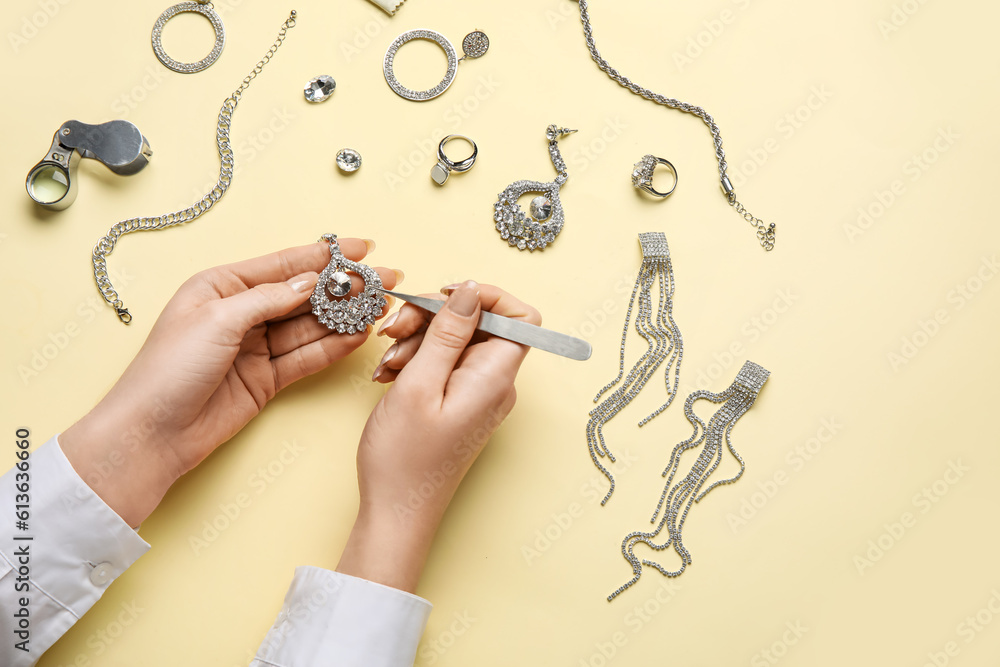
663	340
678	498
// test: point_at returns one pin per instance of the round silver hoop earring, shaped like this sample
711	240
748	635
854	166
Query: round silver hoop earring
475	45
642	175
203	8
445	165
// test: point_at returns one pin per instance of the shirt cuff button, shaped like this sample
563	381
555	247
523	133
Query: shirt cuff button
101	574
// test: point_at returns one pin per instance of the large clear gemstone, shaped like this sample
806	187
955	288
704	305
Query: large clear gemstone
541	208
339	284
320	89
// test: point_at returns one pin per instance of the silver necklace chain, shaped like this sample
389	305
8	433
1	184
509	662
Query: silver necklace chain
107	244
765	232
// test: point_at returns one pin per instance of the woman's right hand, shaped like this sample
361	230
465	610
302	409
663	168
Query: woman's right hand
452	388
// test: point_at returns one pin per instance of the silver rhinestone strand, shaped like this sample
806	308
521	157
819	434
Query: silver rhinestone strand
664	343
677	498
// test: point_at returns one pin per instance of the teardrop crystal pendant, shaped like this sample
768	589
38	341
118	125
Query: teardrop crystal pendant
538	229
351	315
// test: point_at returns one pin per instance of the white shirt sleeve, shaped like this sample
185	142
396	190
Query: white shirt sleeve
77	547
331	618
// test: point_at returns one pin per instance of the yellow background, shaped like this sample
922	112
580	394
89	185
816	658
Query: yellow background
824	311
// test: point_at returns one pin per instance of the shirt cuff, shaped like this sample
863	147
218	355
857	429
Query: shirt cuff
331	618
79	545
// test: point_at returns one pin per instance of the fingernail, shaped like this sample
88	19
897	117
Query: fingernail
448	289
389	321
399	275
378	371
300	285
370	244
463	301
389	354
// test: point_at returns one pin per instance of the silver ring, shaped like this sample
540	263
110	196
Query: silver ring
420	95
446	165
197	8
642	175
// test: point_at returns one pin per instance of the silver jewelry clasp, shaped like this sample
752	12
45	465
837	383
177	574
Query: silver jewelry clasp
118	144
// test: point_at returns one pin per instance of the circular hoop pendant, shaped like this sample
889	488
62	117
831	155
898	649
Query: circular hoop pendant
351	315
420	95
198	8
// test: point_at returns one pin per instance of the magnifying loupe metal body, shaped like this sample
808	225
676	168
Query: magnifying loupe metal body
118	144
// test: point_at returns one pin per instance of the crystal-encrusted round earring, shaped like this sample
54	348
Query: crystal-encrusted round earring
346	315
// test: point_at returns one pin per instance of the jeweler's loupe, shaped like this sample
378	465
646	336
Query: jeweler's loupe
118	144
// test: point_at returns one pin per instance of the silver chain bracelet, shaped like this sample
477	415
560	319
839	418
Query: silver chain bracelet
107	244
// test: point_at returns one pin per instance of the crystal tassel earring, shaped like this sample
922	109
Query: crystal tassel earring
677	498
663	343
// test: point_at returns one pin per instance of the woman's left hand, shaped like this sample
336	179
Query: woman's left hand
229	340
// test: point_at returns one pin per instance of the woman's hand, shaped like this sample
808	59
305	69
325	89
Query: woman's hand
452	388
227	342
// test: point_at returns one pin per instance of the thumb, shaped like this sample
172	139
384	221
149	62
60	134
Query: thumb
446	338
267	301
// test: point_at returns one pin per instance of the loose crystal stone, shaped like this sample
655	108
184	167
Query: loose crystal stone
320	89
340	284
348	160
439	173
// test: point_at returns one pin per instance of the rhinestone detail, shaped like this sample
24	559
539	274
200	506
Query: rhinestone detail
207	61
430	93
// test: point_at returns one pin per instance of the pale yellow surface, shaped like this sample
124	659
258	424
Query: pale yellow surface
823	312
